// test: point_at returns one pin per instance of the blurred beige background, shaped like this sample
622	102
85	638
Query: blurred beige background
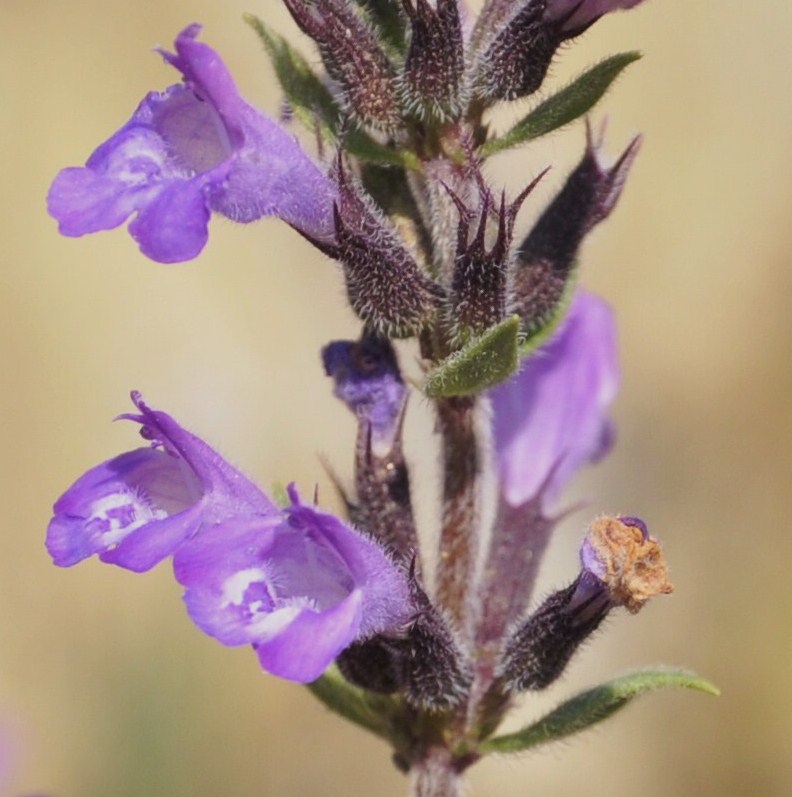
107	690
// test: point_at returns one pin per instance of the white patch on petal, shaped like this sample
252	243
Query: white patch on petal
119	514
270	625
235	586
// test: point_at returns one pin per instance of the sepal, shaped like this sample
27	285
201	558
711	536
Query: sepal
545	264
540	649
516	60
480	285
432	81
353	57
482	362
385	285
572	102
594	705
425	664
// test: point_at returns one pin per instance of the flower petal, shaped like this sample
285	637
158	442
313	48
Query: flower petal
386	596
551	418
232	492
310	642
174	226
143	492
138	508
299	588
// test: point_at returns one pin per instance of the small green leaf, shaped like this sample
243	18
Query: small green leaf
308	96
376	713
363	146
280	496
574	100
387	18
481	363
593	706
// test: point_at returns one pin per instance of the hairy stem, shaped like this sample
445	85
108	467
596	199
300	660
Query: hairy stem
434	775
461	505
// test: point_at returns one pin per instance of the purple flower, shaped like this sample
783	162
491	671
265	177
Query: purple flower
577	15
136	509
299	587
551	417
367	379
194	148
296	583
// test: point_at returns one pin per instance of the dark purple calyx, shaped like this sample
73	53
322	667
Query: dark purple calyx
546	259
353	57
434	69
480	285
385	285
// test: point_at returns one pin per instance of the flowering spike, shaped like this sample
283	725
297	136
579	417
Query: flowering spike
137	508
433	72
353	57
368	381
425	242
187	151
545	262
385	286
621	565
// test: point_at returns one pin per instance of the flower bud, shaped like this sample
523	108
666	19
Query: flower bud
367	380
546	258
513	61
353	57
386	288
577	15
432	80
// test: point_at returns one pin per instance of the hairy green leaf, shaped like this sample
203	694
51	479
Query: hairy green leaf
483	362
389	20
593	706
574	100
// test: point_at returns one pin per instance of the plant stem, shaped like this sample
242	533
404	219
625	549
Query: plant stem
434	775
461	505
